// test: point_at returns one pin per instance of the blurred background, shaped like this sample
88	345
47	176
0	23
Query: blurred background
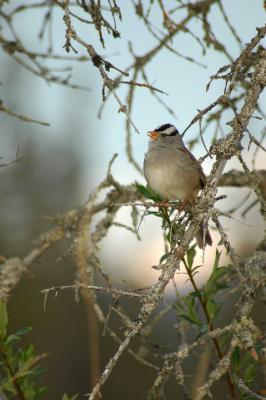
64	162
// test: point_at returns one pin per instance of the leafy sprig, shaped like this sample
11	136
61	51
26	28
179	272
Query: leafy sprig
20	371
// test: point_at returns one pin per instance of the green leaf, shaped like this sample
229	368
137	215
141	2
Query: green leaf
66	397
203	329
213	284
249	373
11	339
189	319
235	358
191	255
148	192
23	331
195	294
217	258
212	308
194	270
188	311
156	213
244	365
164	257
3	319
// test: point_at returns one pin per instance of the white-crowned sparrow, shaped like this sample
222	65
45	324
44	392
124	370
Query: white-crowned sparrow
172	171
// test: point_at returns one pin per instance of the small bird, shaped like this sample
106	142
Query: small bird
173	172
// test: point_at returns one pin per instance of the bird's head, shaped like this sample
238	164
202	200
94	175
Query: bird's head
163	131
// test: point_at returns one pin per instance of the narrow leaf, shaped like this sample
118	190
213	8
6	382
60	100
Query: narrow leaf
3	319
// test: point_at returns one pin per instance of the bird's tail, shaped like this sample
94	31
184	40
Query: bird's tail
203	237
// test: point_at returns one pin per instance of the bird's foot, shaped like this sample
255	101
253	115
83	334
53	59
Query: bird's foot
162	203
182	205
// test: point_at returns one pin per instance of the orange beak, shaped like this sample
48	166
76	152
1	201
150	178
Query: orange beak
153	135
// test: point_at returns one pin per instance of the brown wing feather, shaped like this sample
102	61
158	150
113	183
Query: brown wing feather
197	165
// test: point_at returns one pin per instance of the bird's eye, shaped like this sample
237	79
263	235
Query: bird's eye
164	134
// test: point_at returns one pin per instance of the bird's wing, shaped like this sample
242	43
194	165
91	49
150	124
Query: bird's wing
195	164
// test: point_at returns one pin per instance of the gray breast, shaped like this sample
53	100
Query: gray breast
171	173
